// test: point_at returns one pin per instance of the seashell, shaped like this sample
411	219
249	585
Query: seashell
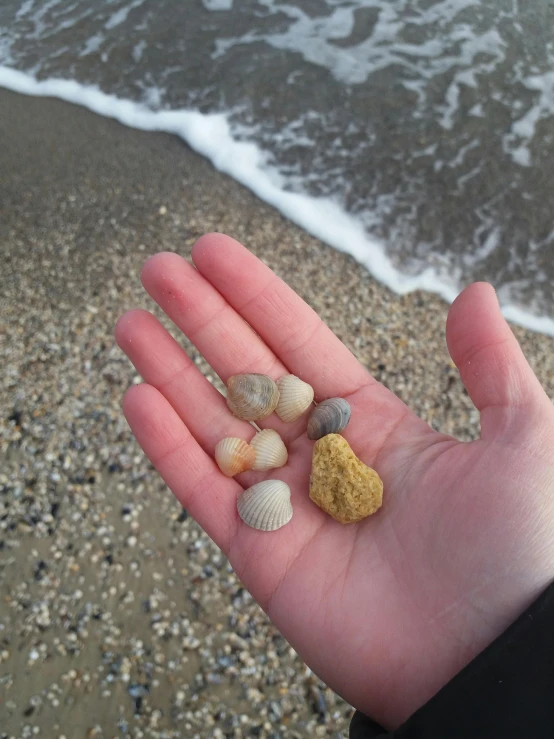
234	456
270	450
295	397
252	397
329	417
266	506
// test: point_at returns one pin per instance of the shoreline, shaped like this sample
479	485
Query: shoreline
151	628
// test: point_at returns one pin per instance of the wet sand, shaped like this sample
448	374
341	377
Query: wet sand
119	617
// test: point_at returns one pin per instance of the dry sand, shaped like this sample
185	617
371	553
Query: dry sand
118	616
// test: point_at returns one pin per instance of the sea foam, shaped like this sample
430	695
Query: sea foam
210	135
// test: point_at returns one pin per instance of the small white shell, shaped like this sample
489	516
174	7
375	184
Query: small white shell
234	456
270	450
265	506
295	397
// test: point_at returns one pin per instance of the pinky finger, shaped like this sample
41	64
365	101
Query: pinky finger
189	472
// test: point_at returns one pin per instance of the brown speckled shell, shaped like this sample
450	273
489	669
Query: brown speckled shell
252	397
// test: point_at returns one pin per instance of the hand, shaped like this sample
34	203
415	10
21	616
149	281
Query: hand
385	611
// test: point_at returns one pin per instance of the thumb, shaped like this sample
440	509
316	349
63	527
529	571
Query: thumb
493	369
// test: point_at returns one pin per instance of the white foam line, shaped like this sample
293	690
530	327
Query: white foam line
210	135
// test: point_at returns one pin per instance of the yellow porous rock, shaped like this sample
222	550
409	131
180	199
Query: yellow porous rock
340	484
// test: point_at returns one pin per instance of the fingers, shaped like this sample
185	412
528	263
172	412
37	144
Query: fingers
188	471
231	346
224	338
493	369
162	363
227	342
284	321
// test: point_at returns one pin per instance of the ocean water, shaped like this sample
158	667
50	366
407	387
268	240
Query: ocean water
417	135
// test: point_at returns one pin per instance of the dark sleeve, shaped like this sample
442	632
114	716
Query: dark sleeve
506	692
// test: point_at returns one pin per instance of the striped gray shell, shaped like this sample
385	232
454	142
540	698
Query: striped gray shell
329	417
266	506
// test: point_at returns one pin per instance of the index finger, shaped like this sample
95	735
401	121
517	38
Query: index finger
296	334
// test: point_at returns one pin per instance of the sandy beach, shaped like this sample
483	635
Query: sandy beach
118	616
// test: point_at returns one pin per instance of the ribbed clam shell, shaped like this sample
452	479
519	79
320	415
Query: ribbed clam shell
234	456
270	450
295	397
329	417
252	397
266	506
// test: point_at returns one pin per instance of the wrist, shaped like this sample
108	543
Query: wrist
446	644
505	691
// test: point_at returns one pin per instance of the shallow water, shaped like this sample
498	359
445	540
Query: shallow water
432	123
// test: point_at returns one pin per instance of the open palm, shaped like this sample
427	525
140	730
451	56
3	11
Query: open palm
387	610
